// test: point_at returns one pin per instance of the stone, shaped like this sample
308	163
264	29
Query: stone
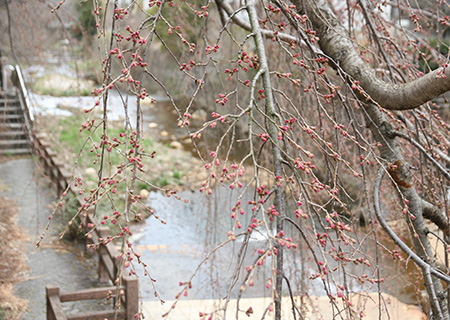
152	125
164	133
200	115
176	145
90	171
186	141
144	193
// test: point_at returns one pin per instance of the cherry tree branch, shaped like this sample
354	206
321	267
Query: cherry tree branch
226	7
422	264
425	153
335	42
276	153
426	268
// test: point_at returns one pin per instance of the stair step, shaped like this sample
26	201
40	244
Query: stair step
9	103
10	117
8	95
15	151
10	109
8	99
9	134
13	142
11	125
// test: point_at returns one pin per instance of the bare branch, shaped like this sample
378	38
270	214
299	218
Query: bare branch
422	264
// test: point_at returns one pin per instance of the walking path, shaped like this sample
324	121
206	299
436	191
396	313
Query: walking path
54	262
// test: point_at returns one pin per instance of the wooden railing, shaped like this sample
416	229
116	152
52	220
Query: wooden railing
52	166
25	104
107	253
109	266
127	294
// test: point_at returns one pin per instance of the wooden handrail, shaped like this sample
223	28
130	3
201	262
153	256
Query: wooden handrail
24	101
88	294
129	293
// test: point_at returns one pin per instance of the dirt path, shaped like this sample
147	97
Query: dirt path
55	262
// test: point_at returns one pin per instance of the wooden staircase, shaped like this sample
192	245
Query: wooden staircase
14	136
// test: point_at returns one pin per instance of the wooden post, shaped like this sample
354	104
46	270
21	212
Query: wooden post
59	177
54	308
131	297
103	275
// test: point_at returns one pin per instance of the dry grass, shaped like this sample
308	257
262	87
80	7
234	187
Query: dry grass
12	260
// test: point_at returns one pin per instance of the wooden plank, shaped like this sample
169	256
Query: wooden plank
12	133
15	151
54	307
88	294
98	315
13	142
131	297
94	237
12	125
66	175
112	251
109	266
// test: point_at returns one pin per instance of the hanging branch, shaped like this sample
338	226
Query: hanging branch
276	154
427	269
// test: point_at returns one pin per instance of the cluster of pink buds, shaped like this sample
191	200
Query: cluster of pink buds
203	13
210	49
187	67
222	99
134	36
120	13
231	72
252	62
264	136
273	9
272	212
151	3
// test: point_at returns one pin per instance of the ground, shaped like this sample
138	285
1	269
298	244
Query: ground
31	268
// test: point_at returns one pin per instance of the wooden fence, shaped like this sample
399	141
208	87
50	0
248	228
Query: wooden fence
109	267
52	166
127	293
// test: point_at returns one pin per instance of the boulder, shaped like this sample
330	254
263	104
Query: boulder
144	193
176	145
90	171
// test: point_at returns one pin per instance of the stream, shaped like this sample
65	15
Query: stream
172	251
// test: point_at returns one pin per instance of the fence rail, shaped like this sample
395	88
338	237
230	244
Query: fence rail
108	263
127	293
53	167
